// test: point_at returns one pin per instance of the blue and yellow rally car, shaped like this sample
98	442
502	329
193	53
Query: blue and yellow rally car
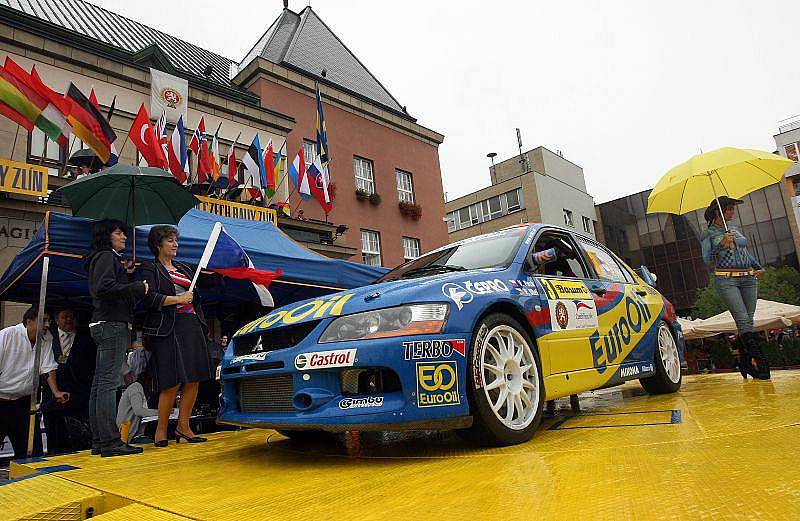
475	336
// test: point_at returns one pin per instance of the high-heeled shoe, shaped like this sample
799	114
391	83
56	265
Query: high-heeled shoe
745	360
161	443
191	439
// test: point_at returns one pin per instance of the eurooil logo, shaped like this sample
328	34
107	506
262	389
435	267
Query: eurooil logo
631	317
437	384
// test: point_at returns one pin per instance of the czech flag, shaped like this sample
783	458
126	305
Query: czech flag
225	256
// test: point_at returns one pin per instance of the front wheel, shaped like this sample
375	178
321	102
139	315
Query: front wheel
505	384
667	362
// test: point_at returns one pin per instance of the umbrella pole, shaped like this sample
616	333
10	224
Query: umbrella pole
133	217
716	198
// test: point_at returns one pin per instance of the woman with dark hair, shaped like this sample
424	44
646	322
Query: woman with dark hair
173	330
736	274
114	295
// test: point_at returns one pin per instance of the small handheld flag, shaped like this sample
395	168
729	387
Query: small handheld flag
225	256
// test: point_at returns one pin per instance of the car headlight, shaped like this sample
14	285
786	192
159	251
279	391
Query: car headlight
414	319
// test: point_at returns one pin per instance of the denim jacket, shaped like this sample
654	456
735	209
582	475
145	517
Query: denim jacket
723	257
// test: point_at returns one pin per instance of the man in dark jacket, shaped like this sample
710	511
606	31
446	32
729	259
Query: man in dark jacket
75	353
113	297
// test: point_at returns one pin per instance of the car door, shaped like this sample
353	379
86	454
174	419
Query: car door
568	317
625	311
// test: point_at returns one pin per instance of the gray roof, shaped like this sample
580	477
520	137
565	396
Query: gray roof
303	42
116	30
299	41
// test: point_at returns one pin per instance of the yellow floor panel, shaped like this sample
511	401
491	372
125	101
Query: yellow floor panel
46	497
719	449
139	512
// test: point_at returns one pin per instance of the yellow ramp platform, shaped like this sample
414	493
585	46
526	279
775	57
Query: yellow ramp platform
719	449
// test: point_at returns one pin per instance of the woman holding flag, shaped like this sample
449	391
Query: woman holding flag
174	332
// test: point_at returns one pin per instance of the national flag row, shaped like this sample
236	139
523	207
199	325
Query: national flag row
26	100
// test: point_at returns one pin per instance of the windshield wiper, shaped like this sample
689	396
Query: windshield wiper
432	268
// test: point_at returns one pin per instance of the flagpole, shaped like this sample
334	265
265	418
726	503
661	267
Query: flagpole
209	249
14	146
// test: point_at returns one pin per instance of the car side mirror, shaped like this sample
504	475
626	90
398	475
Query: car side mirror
647	276
540	258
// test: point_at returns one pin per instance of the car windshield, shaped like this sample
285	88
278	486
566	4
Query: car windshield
492	250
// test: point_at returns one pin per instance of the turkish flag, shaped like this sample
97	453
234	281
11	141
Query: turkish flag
144	137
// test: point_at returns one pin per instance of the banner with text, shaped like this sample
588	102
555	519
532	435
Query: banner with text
236	210
170	93
23	178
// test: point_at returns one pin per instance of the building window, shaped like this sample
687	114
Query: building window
309	152
568	218
405	187
410	248
43	151
452	222
492	209
791	151
371	247
587	225
513	201
365	179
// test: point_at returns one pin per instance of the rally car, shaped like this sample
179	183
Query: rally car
473	336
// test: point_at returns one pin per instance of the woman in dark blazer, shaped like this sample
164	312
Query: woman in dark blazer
173	332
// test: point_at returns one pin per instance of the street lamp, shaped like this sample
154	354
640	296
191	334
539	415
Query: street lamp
492	155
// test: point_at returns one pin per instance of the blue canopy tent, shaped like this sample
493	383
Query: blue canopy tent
65	240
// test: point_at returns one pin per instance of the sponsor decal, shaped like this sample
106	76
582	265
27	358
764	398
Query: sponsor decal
325	359
218	373
437	384
635	371
477	354
572	314
320	308
526	288
457	294
557	289
484	287
633	316
361	403
429	349
249	358
463	294
259	345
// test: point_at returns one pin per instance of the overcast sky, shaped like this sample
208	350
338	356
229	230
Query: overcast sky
626	89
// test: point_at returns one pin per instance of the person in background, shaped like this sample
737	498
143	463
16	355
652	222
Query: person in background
736	273
16	365
75	353
132	408
173	329
114	295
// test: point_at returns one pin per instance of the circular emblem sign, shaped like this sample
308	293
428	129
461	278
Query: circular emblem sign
562	315
301	361
171	97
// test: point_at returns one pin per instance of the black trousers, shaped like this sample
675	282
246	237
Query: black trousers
14	420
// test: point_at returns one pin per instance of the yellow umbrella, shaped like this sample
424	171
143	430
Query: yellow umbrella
734	172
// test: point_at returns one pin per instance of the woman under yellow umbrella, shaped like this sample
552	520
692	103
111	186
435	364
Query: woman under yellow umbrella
717	180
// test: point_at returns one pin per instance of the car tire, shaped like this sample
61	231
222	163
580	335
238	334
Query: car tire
667	377
305	436
500	379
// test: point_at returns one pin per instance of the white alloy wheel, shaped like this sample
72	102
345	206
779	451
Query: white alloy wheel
669	353
511	377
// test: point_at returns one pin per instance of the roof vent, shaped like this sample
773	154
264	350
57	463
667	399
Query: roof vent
208	70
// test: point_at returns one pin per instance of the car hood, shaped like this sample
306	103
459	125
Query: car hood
366	298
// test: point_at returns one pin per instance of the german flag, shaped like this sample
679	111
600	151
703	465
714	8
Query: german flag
89	124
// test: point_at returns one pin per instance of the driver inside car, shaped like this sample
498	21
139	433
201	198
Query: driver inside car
553	258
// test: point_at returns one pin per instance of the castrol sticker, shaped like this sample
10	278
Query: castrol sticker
325	359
